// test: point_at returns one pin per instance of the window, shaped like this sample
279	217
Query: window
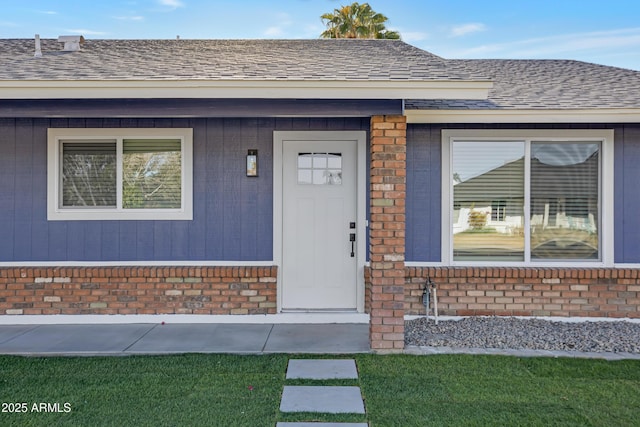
136	174
499	210
320	168
537	197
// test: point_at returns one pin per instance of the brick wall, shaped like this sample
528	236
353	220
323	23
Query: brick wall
385	284
138	290
581	292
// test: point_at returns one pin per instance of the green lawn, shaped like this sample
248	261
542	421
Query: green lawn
400	390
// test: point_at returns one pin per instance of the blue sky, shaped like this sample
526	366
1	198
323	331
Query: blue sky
605	32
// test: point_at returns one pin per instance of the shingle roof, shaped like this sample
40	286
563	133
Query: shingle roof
518	84
545	84
318	59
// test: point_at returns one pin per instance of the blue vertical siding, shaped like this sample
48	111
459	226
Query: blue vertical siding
627	196
23	206
423	194
233	214
264	191
8	158
232	187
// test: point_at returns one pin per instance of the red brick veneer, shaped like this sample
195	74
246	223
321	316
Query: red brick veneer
469	291
138	290
385	287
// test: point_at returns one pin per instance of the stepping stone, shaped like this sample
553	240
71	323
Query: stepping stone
327	399
322	425
322	369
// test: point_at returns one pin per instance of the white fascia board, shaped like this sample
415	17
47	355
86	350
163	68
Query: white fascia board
613	115
300	89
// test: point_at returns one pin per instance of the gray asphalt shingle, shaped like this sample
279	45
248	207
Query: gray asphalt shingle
545	84
224	59
518	84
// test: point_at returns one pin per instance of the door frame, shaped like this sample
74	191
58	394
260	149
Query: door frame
360	137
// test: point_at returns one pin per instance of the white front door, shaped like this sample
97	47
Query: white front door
319	230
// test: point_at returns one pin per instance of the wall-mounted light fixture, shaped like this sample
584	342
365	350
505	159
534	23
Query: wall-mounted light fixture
252	163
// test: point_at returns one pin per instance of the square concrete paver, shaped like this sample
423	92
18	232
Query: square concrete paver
315	338
322	369
326	399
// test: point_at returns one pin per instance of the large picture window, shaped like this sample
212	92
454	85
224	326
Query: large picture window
105	174
527	199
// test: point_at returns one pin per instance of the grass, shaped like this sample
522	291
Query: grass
502	391
399	390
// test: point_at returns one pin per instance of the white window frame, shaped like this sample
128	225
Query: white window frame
56	136
606	190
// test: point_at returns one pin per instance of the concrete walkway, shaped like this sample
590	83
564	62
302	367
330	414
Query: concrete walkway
129	339
246	338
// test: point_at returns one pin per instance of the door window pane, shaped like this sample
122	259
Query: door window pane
564	200
320	168
319	161
488	200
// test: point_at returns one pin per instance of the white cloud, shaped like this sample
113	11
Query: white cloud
48	12
274	31
413	36
129	18
594	41
464	29
85	32
313	30
173	4
283	21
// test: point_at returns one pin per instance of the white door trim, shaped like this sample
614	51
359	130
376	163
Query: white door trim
279	139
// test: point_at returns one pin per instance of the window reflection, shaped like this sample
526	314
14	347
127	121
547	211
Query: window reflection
489	201
488	197
320	168
564	200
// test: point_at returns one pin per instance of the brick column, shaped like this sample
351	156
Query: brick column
387	232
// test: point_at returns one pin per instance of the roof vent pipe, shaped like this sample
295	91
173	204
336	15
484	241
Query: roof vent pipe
38	53
71	43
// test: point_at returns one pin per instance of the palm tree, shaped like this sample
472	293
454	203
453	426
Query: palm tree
356	21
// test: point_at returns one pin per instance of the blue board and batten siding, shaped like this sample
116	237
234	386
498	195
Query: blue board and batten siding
233	214
627	194
423	210
424	187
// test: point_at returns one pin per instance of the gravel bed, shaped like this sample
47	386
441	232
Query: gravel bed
521	334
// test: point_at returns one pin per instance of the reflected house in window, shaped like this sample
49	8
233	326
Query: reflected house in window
489	218
489	209
565	201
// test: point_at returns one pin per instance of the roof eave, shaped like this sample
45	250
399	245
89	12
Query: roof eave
595	115
239	89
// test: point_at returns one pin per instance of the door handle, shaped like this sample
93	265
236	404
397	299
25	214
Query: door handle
352	239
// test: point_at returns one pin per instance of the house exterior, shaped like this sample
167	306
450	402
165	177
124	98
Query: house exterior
253	177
